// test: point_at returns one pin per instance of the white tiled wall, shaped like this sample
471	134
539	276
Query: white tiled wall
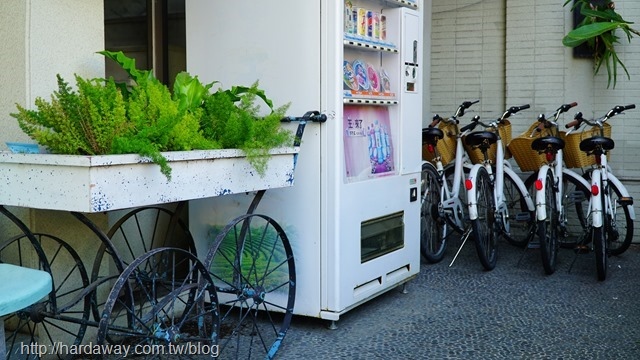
467	55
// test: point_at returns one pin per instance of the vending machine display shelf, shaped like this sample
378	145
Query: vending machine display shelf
411	4
369	45
363	101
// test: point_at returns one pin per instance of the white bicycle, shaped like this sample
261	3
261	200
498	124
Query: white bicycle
610	207
559	192
445	208
492	205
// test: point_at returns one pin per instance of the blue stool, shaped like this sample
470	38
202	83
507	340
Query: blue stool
20	287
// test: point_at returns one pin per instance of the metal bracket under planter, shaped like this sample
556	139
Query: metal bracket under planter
110	182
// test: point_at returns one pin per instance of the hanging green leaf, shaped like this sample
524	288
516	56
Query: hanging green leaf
579	35
597	29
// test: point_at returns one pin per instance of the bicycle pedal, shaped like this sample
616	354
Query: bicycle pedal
576	196
533	245
625	200
523	216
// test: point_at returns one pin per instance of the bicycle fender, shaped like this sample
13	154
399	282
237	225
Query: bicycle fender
596	201
521	187
573	175
430	164
541	210
471	194
623	192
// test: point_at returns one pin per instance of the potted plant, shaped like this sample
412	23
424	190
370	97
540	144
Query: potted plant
597	29
146	118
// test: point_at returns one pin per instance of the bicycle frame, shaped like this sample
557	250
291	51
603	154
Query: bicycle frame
618	184
558	171
502	167
600	177
450	197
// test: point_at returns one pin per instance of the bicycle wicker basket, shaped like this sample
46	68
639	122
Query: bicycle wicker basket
504	130
527	158
446	147
573	156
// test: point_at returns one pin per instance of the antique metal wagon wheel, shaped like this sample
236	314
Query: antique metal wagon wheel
60	318
163	300
137	232
251	264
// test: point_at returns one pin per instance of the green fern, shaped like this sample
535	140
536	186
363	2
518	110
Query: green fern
83	122
105	117
233	119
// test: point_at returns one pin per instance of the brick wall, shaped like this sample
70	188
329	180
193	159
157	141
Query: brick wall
467	55
510	52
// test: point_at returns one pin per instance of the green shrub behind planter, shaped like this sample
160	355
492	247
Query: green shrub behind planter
105	117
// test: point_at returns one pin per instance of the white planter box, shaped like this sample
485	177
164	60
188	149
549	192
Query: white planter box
111	182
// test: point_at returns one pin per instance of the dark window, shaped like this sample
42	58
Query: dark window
150	31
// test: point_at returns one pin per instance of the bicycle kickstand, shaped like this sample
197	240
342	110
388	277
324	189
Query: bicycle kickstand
465	236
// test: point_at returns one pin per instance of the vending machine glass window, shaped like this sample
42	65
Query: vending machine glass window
381	236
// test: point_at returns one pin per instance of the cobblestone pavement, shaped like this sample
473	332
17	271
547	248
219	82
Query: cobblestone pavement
512	312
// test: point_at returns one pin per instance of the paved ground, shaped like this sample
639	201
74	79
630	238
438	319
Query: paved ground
512	312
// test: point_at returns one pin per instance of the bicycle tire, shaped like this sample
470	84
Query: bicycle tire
575	227
485	232
520	231
548	228
622	229
600	248
433	236
619	230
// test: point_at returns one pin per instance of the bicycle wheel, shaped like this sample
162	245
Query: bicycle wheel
620	231
521	220
548	228
484	227
600	248
575	226
433	228
619	223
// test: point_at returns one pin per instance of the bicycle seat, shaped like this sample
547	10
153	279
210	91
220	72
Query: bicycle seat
481	137
543	143
431	135
590	144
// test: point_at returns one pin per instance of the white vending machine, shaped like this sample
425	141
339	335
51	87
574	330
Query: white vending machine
352	215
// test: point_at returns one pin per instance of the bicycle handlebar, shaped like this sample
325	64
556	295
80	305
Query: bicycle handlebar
436	120
565	107
476	119
474	122
459	112
512	110
549	123
465	105
616	110
577	120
